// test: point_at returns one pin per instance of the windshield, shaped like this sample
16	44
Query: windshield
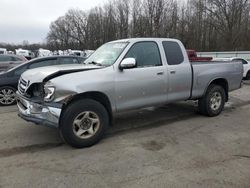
107	54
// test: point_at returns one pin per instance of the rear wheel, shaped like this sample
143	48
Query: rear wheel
213	102
7	96
83	123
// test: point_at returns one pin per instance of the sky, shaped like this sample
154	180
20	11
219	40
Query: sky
30	19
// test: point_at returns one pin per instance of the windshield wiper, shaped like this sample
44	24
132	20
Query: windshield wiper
95	63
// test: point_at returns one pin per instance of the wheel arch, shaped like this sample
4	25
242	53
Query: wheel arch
94	95
247	75
221	82
9	85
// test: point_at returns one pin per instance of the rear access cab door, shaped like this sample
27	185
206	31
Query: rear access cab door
179	71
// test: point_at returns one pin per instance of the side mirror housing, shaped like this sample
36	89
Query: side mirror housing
128	63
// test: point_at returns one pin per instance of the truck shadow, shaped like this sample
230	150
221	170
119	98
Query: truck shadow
152	117
123	123
133	121
161	116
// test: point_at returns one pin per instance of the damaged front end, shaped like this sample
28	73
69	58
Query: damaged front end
40	101
35	103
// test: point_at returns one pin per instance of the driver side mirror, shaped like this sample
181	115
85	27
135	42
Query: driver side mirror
127	63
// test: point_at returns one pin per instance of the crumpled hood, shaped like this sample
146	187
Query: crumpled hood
44	74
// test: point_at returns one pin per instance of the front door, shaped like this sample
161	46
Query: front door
144	85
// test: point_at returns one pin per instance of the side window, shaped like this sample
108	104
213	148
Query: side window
81	59
44	63
145	53
20	70
67	60
244	62
173	52
241	60
5	58
16	59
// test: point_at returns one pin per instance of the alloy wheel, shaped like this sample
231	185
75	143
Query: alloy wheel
7	96
86	124
215	101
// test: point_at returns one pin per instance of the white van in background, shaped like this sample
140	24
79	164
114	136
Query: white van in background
77	53
84	53
26	53
43	52
88	52
3	51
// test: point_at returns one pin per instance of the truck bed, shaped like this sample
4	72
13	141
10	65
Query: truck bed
205	72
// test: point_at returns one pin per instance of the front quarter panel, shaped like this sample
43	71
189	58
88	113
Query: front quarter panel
98	80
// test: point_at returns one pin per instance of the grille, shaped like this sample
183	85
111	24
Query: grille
22	85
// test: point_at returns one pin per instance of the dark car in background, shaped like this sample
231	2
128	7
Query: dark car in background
8	61
9	79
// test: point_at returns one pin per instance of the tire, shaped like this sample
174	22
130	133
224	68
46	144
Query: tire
83	123
7	96
213	102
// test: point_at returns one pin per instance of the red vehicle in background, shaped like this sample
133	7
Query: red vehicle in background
192	55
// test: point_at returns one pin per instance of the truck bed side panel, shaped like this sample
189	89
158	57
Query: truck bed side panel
205	73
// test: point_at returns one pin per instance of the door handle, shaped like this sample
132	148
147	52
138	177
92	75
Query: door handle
160	73
172	72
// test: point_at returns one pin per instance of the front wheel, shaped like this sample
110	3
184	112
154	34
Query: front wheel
7	96
83	123
213	102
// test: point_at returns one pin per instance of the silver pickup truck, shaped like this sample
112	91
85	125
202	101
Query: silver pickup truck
81	100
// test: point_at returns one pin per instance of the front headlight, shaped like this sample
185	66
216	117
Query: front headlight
49	93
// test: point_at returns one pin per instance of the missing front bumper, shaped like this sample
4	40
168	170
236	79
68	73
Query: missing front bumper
42	114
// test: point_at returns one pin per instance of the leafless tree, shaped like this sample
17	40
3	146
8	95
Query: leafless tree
200	24
227	18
